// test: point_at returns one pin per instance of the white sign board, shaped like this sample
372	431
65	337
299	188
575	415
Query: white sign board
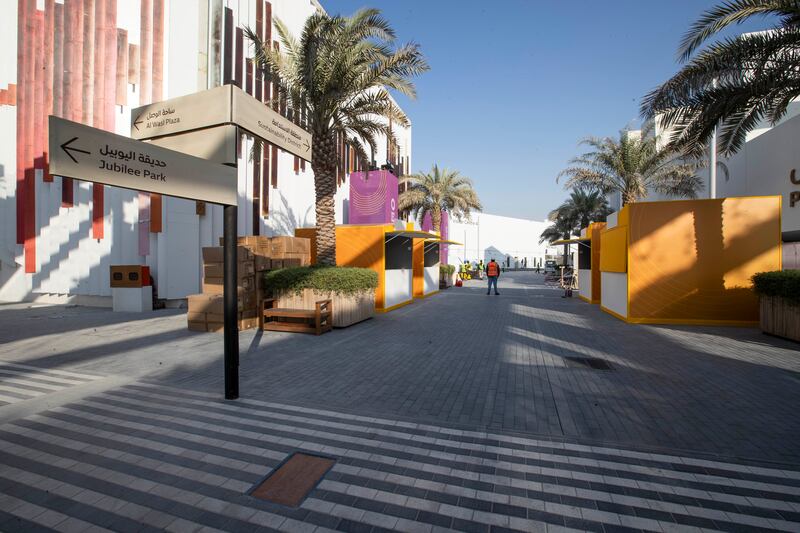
227	104
90	154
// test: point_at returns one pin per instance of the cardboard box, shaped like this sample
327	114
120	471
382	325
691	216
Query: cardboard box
195	316
215	254
294	262
241	315
248	323
263	263
217	270
219	327
216	285
283	245
215	327
213	303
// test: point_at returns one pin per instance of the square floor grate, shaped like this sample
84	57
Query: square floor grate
595	363
290	483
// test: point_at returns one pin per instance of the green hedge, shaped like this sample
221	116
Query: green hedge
446	270
783	283
341	280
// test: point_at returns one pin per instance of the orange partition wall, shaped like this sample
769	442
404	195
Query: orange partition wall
363	246
690	261
311	235
418	260
593	233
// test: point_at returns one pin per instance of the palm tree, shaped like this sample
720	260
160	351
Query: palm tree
584	207
733	83
336	77
438	191
563	226
632	166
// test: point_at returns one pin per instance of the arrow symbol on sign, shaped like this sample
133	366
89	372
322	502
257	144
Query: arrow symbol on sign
66	147
136	124
305	143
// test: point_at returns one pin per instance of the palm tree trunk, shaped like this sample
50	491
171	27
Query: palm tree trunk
436	218
324	167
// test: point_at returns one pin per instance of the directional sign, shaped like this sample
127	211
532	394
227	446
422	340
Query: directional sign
90	154
227	104
261	121
217	144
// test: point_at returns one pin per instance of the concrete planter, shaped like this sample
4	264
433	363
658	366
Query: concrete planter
779	317
348	309
446	281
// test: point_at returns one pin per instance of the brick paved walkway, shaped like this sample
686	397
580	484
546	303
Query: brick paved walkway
458	412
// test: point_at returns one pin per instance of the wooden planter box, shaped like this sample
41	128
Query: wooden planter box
779	317
348	309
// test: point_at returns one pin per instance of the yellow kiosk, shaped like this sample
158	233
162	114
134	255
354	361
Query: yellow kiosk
689	261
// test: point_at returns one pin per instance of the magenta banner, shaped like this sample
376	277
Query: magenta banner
373	197
427	225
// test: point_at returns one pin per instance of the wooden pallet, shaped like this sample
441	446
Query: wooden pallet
317	321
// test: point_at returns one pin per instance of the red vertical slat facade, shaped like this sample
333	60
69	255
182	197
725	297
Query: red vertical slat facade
49	40
239	55
71	80
58	59
89	16
99	104
156	95
158	51
256	189
227	53
22	82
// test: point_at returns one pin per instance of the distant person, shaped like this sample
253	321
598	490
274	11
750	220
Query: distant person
481	269
492	272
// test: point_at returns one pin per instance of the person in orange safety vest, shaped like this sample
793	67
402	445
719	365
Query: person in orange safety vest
492	273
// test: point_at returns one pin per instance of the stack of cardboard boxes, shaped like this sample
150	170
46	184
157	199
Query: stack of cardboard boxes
206	310
255	255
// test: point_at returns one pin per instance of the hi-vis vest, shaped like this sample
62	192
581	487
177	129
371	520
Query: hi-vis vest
492	269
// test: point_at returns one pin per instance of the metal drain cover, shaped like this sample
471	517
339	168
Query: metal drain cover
291	481
595	363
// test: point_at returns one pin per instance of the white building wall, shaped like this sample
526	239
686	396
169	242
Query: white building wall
492	236
70	263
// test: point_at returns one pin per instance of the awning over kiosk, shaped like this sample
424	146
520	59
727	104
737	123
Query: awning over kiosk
442	241
410	234
581	240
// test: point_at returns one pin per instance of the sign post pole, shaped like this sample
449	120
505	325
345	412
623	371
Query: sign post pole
89	154
230	301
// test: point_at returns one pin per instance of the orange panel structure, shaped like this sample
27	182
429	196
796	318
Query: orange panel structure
690	261
363	246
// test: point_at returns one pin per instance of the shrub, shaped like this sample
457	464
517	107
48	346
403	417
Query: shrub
446	270
340	280
782	283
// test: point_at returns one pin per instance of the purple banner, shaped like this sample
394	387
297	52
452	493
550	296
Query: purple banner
427	225
373	197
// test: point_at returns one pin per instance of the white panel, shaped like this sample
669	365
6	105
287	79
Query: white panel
431	279
132	299
611	220
398	286
615	292
585	283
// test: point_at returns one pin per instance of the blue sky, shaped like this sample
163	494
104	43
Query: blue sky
515	84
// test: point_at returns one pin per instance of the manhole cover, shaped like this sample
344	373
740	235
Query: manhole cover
595	363
290	483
